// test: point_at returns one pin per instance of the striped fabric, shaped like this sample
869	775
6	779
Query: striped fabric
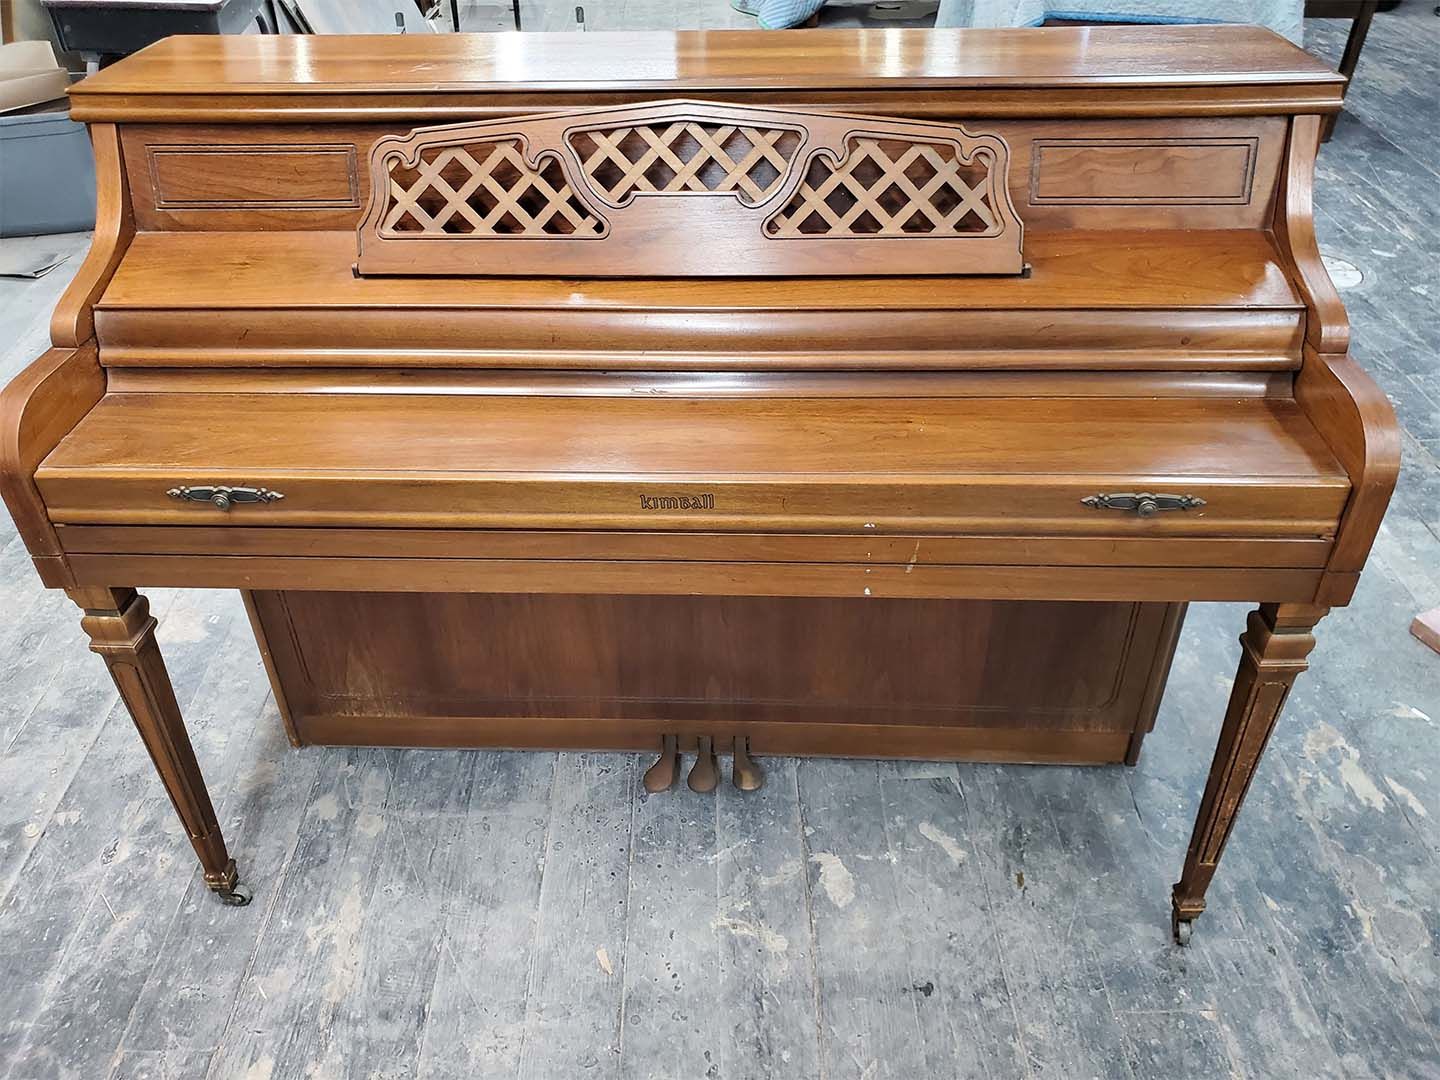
779	14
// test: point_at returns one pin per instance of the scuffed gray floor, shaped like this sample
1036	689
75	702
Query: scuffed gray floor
450	914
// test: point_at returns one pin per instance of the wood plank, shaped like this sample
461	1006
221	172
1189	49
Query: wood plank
475	1012
573	1012
757	465
316	928
681	437
673	1023
868	985
1037	888
765	997
968	1020
1426	627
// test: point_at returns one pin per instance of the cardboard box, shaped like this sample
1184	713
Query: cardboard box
30	75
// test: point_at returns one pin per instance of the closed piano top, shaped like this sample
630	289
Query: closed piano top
1132	70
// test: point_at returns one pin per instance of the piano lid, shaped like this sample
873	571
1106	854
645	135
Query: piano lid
1128	70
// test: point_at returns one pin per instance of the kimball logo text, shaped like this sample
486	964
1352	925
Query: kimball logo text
677	502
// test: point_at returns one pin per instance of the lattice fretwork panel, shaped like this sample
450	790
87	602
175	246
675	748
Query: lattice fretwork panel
484	189
891	187
686	156
690	189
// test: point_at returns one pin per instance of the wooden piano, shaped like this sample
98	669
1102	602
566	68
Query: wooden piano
862	393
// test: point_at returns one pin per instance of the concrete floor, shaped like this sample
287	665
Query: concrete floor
451	914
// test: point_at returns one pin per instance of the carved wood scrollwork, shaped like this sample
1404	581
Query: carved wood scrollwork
690	189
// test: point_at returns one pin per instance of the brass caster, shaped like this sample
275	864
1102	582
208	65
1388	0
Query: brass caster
704	774
745	772
226	885
1181	929
661	776
235	896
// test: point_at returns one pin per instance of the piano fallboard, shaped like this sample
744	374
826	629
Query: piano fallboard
873	466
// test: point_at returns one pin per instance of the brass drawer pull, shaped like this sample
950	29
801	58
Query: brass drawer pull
1144	504
222	497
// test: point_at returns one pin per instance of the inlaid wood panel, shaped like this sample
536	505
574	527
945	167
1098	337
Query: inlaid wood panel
1143	171
254	176
903	675
234	176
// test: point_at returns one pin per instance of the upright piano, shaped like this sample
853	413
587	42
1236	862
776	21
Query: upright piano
874	393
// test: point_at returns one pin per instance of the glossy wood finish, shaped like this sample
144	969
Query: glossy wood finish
1358	420
1153	299
36	410
916	440
1159	71
265	176
464	670
911	465
1069	269
73	323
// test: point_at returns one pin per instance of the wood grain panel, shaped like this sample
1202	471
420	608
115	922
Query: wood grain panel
1143	171
937	465
1152	70
699	546
790	739
708	662
274	205
254	176
699	579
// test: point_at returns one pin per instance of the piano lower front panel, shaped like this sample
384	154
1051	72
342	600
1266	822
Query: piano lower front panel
962	679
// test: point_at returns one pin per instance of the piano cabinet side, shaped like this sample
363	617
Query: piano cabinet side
1343	402
73	322
38	409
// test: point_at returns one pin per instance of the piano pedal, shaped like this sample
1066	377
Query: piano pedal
745	772
661	776
704	774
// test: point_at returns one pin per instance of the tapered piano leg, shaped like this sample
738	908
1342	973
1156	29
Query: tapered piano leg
1274	646
122	631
